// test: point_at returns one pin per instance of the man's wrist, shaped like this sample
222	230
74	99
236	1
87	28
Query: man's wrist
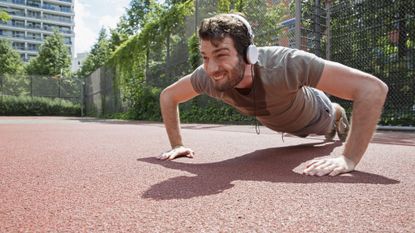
176	146
350	161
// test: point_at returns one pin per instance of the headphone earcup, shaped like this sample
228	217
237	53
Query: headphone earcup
252	54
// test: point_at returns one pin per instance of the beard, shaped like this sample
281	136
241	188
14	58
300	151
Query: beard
232	77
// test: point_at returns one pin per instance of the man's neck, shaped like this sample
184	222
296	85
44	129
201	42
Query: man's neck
246	82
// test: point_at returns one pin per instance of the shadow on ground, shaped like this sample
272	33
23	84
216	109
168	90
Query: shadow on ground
283	164
394	138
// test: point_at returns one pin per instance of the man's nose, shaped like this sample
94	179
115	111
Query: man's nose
211	67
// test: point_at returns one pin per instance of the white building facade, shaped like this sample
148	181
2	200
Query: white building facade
32	21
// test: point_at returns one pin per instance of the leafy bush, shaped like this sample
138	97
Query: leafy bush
146	104
199	110
37	106
398	120
204	109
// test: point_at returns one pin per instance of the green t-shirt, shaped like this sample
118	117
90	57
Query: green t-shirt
282	91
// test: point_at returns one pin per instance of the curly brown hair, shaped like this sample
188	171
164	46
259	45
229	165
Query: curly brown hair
216	28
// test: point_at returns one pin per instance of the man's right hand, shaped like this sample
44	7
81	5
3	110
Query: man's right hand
177	152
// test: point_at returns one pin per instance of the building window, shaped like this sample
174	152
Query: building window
19	45
18	23
66	9
32	47
18	34
33	25
18	2
33	3
33	36
33	14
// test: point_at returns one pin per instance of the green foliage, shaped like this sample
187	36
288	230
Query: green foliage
10	61
378	39
138	15
129	60
14	84
99	55
398	120
146	104
206	110
37	106
53	58
193	47
4	17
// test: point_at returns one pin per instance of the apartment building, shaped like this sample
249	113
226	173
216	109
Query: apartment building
32	21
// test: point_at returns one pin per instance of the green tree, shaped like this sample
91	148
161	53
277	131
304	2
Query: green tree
11	71
4	16
138	15
119	34
99	55
53	58
10	61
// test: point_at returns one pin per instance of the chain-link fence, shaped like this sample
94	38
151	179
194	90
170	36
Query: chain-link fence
101	93
41	86
377	37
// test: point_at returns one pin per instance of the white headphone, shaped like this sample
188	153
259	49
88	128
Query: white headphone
251	51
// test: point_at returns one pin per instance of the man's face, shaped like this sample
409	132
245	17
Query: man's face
222	63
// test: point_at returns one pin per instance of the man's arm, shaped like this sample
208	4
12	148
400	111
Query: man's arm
368	94
170	98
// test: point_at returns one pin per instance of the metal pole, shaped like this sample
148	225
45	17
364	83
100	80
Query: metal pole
298	24
1	85
82	97
31	86
328	23
196	14
317	28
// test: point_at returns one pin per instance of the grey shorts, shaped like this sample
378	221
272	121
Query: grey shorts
323	122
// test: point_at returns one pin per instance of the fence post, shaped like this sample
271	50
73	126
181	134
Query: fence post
328	28
31	86
298	24
1	85
82	97
196	15
317	28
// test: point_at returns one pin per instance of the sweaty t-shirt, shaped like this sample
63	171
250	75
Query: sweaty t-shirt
281	97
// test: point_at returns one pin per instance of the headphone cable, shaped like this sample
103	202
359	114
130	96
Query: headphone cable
257	129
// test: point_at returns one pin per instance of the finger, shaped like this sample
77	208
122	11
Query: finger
190	154
311	162
179	153
323	172
165	155
336	171
316	162
160	156
311	169
173	156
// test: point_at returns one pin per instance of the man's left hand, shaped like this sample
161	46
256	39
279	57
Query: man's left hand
329	166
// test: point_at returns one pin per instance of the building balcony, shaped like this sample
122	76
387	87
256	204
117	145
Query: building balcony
48	7
35	28
48	19
51	29
10	37
64	2
60	11
11	25
17	2
61	22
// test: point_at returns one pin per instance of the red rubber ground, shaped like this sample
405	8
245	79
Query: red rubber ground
86	175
